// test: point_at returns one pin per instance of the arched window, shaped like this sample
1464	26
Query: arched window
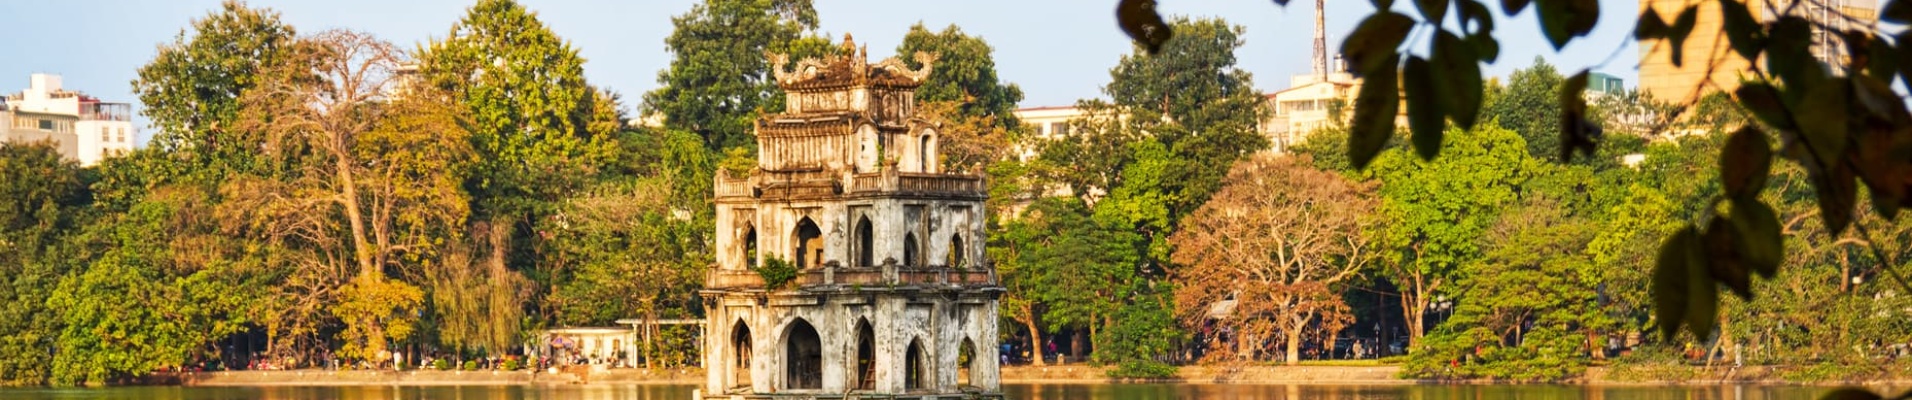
750	246
956	252
909	251
966	364
865	356
803	357
740	348
913	369
809	251
865	243
923	154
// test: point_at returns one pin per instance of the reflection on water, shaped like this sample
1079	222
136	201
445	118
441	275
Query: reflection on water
1403	392
1018	392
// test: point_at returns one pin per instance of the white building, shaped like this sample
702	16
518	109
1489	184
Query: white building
84	128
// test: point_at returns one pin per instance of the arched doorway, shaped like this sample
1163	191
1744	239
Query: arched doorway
913	368
803	357
809	251
750	246
865	243
740	349
966	364
955	252
865	356
910	251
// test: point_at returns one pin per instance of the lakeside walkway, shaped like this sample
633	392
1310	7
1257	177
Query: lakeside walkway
1023	374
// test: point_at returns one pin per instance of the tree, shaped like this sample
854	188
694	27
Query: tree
191	89
1439	208
719	79
1072	267
1276	241
963	92
45	198
540	131
1526	106
964	73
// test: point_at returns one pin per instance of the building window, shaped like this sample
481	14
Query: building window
1058	129
46	124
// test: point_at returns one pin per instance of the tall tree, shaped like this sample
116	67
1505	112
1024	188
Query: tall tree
1527	106
719	79
1277	240
964	93
191	89
1438	209
965	73
540	131
44	200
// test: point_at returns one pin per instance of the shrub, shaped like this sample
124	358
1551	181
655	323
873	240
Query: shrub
471	365
776	272
440	365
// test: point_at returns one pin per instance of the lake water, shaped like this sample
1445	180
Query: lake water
1018	392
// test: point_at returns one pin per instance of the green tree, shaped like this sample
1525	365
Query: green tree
1438	209
45	200
719	79
1527	105
540	131
191	89
965	73
964	93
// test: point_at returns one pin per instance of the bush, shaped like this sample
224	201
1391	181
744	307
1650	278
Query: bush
776	272
512	364
471	365
440	365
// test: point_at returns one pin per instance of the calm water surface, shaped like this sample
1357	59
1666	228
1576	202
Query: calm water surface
1019	392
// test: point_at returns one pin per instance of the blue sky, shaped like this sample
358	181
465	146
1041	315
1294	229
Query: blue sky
1057	50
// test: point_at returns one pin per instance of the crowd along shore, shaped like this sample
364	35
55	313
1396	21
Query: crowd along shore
1053	374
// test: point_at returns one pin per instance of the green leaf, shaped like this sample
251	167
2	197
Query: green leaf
1485	46
1789	51
1455	62
1897	11
1838	195
1850	393
1745	163
1371	46
1424	118
1761	246
1374	112
1882	59
1741	29
1513	6
1723	263
1475	13
1702	296
1576	132
1142	23
1822	121
1650	27
1382	4
1681	29
1764	101
1432	11
1671	281
1562	20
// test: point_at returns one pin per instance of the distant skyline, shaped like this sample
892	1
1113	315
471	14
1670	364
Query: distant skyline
1058	51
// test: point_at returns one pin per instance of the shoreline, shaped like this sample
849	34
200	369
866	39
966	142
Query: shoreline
1377	375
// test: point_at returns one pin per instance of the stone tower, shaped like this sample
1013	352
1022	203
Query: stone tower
892	295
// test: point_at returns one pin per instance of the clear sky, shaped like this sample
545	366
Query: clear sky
1057	50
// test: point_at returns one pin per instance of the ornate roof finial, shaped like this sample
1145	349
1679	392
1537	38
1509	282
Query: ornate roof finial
849	44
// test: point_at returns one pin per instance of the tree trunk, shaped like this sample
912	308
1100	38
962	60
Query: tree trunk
1413	311
1035	337
1293	345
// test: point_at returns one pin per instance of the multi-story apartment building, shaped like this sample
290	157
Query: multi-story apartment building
1709	62
82	127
